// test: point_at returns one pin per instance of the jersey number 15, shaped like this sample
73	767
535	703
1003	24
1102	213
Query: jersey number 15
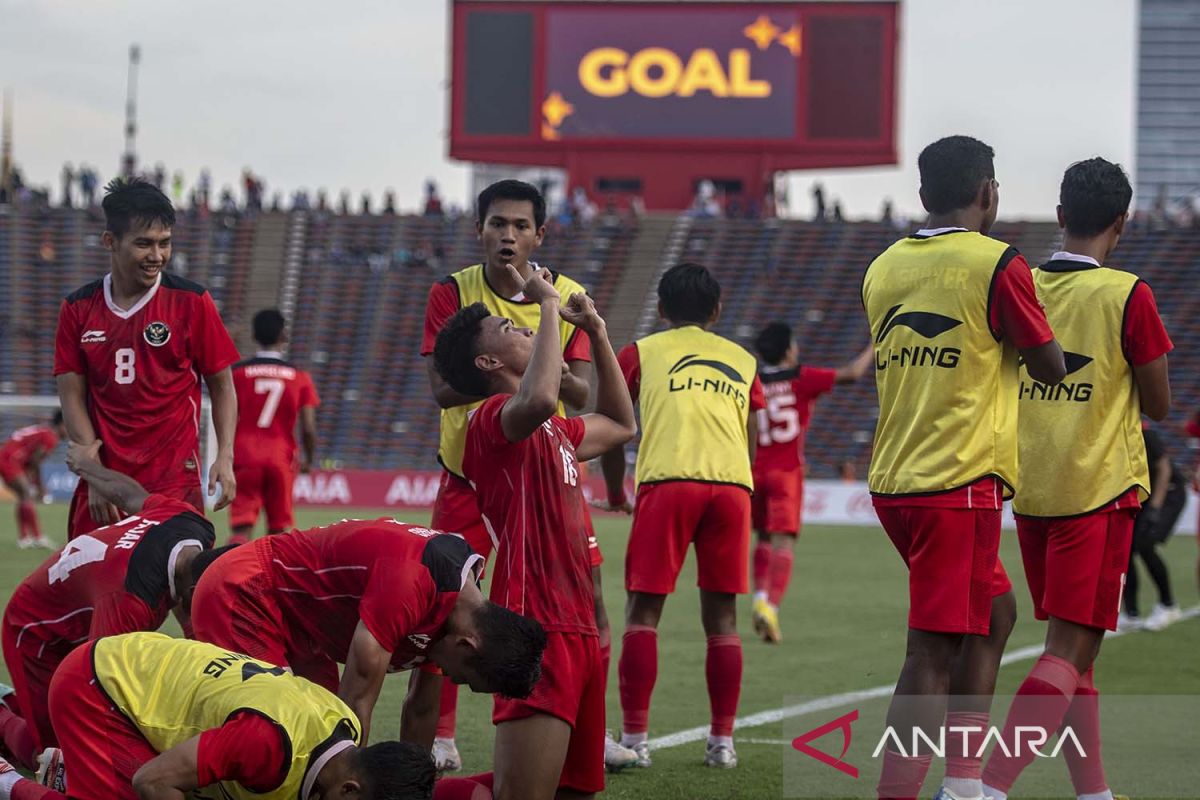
779	422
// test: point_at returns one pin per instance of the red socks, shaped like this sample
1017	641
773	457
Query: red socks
637	671
448	714
762	565
14	730
962	746
902	776
1041	702
27	520
723	670
473	787
779	575
1083	717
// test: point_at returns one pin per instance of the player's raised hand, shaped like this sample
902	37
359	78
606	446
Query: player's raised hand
222	472
581	312
538	288
79	454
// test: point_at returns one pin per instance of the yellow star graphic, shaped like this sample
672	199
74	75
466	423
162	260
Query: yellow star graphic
791	39
548	133
762	32
555	109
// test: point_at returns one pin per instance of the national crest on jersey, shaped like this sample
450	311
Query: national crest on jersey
947	387
1081	444
174	689
473	287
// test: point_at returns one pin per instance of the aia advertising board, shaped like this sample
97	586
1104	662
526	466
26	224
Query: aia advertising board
813	84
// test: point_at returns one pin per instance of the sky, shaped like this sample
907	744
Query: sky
353	95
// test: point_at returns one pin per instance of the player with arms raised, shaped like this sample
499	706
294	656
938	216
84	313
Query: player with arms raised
130	350
523	459
790	391
271	394
21	471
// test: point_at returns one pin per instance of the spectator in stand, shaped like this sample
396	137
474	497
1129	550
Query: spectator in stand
837	211
68	180
177	188
847	472
433	203
366	203
818	193
389	202
705	203
583	210
88	180
228	204
889	212
344	202
204	187
159	177
322	200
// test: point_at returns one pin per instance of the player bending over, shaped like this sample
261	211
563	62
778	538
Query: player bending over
21	471
1083	471
523	460
378	596
119	578
146	717
790	391
698	394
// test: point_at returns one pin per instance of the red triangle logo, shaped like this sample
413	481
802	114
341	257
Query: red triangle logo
842	723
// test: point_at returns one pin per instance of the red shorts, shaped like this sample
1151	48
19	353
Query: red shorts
778	500
263	486
1076	566
183	486
11	469
953	562
31	665
572	689
669	516
101	748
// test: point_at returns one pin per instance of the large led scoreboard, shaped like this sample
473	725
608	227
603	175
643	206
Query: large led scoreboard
650	97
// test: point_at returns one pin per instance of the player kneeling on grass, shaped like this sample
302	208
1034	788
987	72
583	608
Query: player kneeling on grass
116	579
146	717
523	461
378	596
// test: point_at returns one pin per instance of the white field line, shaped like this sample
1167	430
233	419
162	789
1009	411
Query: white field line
828	702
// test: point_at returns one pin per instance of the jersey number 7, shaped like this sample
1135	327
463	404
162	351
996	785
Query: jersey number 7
273	389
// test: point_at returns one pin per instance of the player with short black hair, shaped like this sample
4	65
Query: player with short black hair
1084	471
273	395
791	391
523	459
116	579
699	394
515	191
949	309
143	715
130	350
21	471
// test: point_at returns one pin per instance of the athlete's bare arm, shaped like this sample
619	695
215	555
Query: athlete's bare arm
857	368
107	485
170	775
1154	388
366	667
1045	363
612	424
574	390
537	398
308	436
418	720
224	414
72	396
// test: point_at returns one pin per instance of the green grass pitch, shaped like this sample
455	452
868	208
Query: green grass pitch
843	621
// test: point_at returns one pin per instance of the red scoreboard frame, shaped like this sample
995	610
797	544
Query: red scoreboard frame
757	86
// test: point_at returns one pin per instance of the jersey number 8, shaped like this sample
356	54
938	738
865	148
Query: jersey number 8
125	370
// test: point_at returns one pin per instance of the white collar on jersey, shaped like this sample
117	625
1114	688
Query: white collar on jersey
1064	255
173	558
269	354
924	232
136	307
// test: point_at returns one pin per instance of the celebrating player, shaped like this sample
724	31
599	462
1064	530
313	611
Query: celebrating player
130	349
1083	468
948	307
119	578
145	717
523	459
21	471
377	596
790	391
698	394
271	395
511	225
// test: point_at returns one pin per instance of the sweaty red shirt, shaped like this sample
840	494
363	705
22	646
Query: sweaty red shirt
115	579
270	394
790	396
143	368
531	501
401	580
24	442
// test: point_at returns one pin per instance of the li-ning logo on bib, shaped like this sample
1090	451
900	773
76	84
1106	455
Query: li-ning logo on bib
156	334
729	385
1077	392
926	324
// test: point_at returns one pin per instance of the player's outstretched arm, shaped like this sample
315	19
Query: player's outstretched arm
170	775
857	368
108	485
537	398
366	667
418	720
1154	388
308	436
224	414
612	424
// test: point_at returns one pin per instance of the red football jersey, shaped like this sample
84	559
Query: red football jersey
24	442
790	396
143	369
530	497
401	580
270	394
115	579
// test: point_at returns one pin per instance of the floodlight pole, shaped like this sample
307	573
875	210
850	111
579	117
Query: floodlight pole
129	160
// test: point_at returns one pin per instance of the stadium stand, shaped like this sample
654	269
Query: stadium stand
356	286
